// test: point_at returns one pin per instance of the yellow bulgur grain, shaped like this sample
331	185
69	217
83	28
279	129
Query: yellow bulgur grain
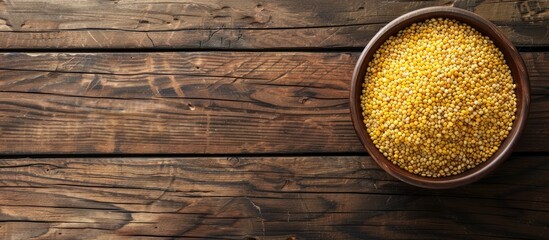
438	98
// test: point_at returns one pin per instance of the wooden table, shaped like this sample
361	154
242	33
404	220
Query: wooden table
229	119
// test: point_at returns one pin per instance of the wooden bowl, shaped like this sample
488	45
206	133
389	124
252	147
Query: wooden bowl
518	71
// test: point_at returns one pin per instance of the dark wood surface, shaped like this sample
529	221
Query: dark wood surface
196	102
110	111
236	24
263	198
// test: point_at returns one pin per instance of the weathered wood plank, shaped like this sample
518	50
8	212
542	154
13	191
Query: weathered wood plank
236	24
261	198
209	102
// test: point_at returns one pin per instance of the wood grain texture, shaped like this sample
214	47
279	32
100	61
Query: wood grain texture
195	102
236	24
262	198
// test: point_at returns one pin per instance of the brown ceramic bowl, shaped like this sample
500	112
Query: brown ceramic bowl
513	59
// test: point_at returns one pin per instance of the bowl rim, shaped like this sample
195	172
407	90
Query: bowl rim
518	71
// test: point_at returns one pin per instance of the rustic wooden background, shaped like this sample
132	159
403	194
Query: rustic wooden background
229	119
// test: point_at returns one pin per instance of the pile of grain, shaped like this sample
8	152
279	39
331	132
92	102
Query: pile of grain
438	98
